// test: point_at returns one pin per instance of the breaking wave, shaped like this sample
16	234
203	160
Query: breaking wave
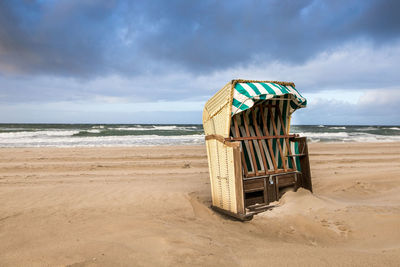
77	135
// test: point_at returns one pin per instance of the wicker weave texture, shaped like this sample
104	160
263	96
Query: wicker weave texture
216	120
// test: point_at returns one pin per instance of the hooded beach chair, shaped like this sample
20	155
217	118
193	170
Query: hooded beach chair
252	157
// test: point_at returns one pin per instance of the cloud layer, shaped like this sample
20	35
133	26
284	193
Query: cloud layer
108	51
89	38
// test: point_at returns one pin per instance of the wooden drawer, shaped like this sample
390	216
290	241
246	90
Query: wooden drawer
253	185
286	180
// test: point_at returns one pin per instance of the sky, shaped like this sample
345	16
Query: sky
106	61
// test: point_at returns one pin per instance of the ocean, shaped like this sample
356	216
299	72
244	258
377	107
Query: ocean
97	135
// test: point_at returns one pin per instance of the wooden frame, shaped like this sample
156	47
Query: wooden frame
257	183
258	137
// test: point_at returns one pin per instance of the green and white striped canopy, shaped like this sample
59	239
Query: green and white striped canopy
245	95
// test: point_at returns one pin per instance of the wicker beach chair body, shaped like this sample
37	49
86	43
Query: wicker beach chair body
252	157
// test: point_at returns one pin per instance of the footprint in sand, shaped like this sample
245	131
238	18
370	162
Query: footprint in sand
338	227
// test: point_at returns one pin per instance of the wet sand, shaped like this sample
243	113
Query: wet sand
150	206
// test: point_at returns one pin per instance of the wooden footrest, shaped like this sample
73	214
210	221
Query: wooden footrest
257	208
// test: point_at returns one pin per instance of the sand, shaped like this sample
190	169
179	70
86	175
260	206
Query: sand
149	206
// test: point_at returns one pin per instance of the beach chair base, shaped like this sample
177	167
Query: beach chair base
257	192
239	216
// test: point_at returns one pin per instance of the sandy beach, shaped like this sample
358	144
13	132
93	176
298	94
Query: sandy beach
149	206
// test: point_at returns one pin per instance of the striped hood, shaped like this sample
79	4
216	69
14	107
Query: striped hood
246	94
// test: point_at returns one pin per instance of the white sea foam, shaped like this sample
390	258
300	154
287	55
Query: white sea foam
94	131
25	134
130	128
361	129
167	127
155	127
349	137
338	128
65	141
98	127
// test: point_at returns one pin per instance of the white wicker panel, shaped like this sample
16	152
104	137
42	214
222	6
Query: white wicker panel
219	100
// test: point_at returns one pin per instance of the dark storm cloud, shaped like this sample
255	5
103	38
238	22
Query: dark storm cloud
91	38
64	37
211	35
